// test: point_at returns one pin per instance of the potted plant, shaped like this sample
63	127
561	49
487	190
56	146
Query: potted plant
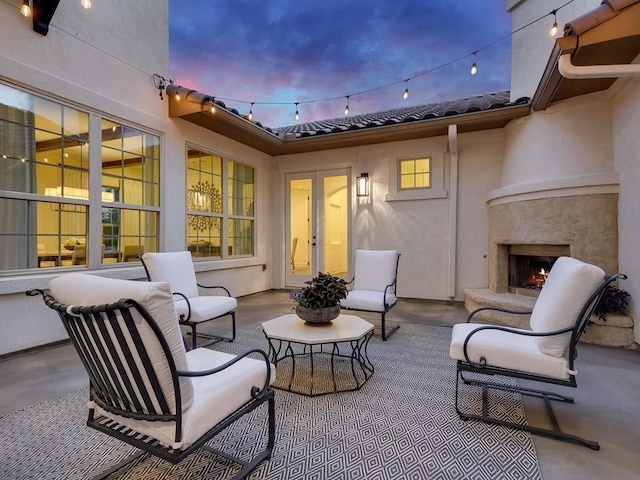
319	302
614	300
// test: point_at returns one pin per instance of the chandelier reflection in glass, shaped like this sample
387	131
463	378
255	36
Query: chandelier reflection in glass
204	197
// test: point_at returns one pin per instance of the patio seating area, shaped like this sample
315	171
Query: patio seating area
606	398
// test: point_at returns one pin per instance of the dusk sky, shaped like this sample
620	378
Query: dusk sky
279	52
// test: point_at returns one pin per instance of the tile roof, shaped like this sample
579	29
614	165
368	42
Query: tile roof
446	108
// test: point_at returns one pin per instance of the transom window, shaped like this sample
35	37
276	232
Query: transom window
220	206
53	182
415	173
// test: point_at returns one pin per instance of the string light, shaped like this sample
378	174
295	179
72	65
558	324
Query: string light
554	28
251	112
474	67
86	3
405	95
25	10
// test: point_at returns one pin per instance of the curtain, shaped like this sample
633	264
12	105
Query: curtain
18	218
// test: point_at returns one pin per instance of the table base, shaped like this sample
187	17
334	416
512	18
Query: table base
321	369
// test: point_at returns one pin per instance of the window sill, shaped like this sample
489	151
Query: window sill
20	283
423	194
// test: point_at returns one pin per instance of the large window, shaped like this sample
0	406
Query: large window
50	186
131	175
220	206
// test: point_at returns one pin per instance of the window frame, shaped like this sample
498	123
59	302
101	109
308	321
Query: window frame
414	174
437	171
92	205
226	217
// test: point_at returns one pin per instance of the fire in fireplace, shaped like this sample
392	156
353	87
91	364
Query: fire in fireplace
529	266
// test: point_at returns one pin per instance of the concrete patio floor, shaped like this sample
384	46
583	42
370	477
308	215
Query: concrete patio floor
606	400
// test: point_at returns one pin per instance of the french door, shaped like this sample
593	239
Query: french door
318	209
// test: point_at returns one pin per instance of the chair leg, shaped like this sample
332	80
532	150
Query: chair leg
194	337
233	326
556	432
385	335
215	338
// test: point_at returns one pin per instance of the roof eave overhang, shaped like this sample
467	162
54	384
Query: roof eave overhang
613	42
246	132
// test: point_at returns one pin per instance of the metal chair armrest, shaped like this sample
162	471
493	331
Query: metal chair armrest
182	318
216	286
255	391
509	330
498	309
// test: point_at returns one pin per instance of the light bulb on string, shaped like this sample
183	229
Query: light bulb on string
405	95
25	10
251	112
86	3
297	112
554	28
474	67
346	109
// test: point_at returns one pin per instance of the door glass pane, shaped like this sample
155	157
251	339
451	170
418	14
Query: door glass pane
300	218
335	225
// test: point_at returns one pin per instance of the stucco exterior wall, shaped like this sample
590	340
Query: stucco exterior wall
419	229
530	47
568	140
102	60
626	141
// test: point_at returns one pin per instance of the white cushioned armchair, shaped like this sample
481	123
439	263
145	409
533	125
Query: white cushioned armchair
374	285
545	353
176	268
145	388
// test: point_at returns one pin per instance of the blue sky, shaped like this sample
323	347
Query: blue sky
279	52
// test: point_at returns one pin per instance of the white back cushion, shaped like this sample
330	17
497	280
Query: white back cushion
176	268
375	269
569	285
83	289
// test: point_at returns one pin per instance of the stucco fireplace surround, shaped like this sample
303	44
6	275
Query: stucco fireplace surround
579	222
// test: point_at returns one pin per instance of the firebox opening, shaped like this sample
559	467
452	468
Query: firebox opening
529	266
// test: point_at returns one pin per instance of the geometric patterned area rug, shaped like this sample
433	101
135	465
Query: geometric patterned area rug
400	425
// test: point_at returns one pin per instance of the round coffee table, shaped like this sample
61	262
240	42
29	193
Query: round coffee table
319	359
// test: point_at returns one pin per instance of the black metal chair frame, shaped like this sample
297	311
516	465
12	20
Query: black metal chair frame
391	288
184	320
581	323
107	394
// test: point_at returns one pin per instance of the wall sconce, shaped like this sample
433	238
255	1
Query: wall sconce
362	185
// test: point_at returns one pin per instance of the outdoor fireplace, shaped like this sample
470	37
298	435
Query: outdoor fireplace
529	266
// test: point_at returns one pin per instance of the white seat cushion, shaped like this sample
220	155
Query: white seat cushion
155	297
205	308
367	300
568	286
506	350
215	396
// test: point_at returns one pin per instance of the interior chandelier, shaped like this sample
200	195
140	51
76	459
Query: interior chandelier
204	197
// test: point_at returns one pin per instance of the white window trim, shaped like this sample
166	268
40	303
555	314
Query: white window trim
436	190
